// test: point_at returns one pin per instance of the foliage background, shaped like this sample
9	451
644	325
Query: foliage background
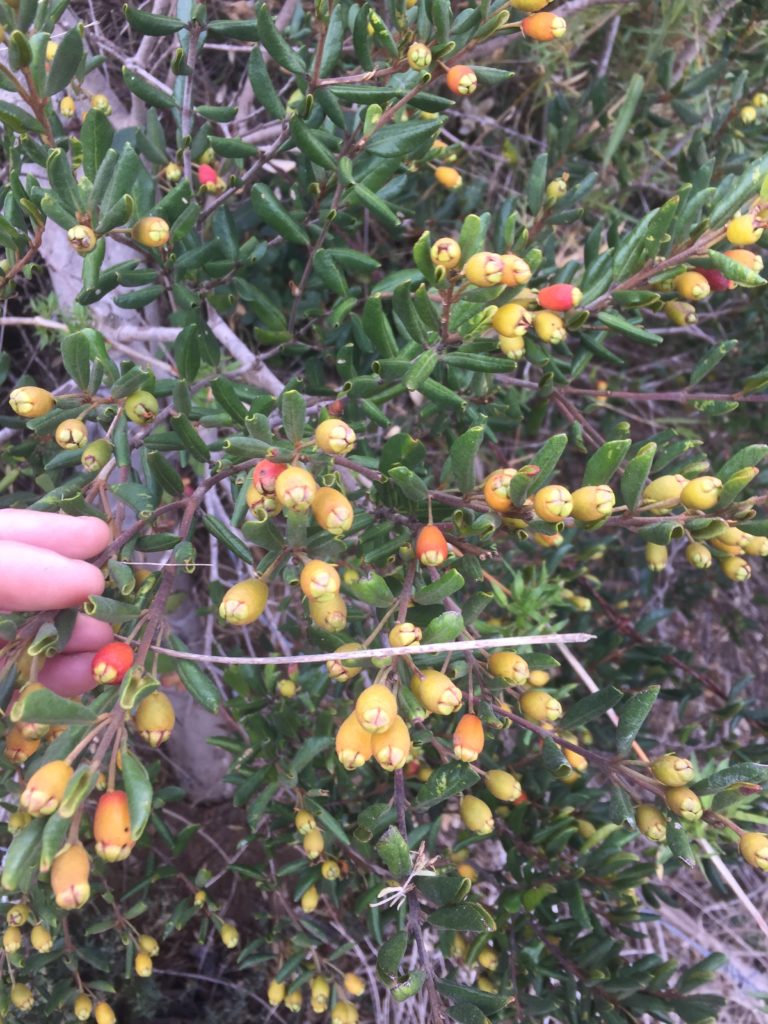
637	99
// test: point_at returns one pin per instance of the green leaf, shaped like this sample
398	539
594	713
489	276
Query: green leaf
463	455
222	532
76	356
486	1001
273	213
275	44
377	206
435	593
735	484
466	1013
190	437
196	682
534	897
537	182
546	459
660	533
590	707
245	30
710	359
391	954
626	113
734	270
409	986
49	708
678	842
146	91
631	717
139	790
553	759
65	63
463	917
21	857
746	457
294	414
443	628
421	368
393	850
310	749
636	474
605	461
735	775
261	83
619	323
446	781
378	328
620	808
408	482
372	589
54	837
152	24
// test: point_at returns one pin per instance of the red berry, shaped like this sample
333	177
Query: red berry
110	664
206	174
559	297
265	473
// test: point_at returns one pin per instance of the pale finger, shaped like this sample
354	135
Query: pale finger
69	675
89	634
73	536
32	579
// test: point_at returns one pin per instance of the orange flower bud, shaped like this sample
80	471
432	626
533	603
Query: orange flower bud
553	503
543	27
468	738
69	877
353	743
332	511
43	792
319	580
431	546
692	285
516	271
496	489
155	719
391	748
376	708
461	79
448	177
18	748
747	258
112	826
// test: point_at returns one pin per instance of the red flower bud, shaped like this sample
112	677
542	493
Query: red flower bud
718	282
559	297
265	473
431	546
206	174
110	664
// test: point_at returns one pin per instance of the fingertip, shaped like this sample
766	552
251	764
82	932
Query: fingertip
69	675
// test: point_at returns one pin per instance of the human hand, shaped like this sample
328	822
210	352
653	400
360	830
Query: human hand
43	568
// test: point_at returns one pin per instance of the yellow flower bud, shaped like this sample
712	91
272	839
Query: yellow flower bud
651	822
552	503
329	613
698	555
511	320
83	1007
141	407
590	504
82	239
503	785
30	401
448	177
404	634
155	719
391	748
142	965
376	708
743	230
353	743
436	692
41	939
151	232
684	802
484	269
446	253
736	569
476	815
753	847
354	984
69	877
148	944
44	790
549	327
509	666
319	580
418	56
22	997
702	493
313	843
692	285
665	489
12	939
343	671
104	1014
538	706
334	437
295	488
672	770
332	510
275	992
229	935
656	556
244	602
